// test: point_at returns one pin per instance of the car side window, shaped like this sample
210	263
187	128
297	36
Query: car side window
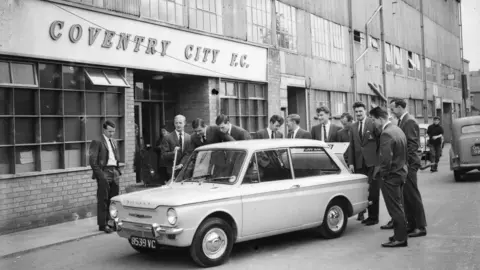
267	166
312	161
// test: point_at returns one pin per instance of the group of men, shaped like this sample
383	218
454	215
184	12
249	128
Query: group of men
385	152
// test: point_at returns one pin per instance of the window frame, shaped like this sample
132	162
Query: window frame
250	10
254	155
333	162
316	24
291	25
192	23
19	85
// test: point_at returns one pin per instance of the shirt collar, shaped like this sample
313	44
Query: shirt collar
106	138
384	125
179	132
403	115
295	130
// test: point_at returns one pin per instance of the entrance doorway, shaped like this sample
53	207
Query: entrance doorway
297	104
447	122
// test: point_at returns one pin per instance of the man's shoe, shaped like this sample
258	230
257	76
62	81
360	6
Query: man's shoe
371	221
361	216
395	243
418	232
387	226
391	238
101	228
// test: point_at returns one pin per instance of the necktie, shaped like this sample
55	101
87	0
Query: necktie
273	135
324	133
360	130
180	141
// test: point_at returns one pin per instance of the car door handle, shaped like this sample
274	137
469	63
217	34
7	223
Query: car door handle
295	186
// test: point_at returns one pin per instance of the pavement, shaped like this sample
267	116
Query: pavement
453	241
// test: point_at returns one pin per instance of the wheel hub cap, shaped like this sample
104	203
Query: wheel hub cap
335	218
214	243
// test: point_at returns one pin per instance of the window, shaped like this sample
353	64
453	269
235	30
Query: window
245	104
171	11
389	57
357	36
339	103
14	73
259	21
419	107
267	166
49	124
398	57
314	161
338	44
411	106
430	109
414	66
206	15
131	7
374	42
286	26
471	129
320	37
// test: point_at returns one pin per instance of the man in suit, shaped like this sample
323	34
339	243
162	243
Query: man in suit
294	130
414	209
204	134
325	131
392	171
362	158
271	132
231	132
177	141
104	160
343	134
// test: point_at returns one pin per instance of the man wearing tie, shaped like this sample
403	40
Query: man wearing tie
178	141
204	134
325	131
231	132
104	160
294	130
362	158
271	132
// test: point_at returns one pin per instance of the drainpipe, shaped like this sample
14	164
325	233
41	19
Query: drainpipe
352	51
424	72
382	41
464	87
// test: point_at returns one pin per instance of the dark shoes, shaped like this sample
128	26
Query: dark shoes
361	216
370	221
418	232
387	226
394	243
105	229
434	168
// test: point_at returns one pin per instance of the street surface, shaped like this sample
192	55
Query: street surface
453	242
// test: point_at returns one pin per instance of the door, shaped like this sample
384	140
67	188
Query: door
297	104
447	122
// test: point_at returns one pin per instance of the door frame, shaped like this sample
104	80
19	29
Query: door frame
140	122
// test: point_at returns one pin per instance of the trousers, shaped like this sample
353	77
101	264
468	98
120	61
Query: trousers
107	188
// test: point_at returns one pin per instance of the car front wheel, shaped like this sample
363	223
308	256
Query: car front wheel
334	220
212	243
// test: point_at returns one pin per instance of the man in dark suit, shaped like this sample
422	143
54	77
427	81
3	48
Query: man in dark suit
204	134
343	134
271	132
177	141
294	130
362	158
231	132
392	171
325	131
104	160
414	209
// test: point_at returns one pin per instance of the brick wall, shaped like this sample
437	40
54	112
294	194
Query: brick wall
41	200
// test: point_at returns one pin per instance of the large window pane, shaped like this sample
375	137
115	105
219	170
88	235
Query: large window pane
5	73
94	104
73	155
73	78
5	101
50	102
25	101
73	103
73	129
51	156
25	130
6	158
23	73
113	104
50	75
94	128
52	130
25	159
5	130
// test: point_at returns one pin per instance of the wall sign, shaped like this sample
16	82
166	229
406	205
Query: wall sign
85	36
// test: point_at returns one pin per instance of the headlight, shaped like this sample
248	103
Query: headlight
113	210
172	216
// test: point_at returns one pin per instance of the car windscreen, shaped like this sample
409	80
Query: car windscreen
216	166
471	129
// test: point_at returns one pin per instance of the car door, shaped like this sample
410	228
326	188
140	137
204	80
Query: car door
268	193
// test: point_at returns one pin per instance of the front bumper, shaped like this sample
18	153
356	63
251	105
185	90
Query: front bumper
162	233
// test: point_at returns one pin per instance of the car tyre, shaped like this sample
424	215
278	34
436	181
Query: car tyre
143	250
334	220
212	243
457	175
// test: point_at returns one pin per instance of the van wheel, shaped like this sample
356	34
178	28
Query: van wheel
335	220
457	175
212	243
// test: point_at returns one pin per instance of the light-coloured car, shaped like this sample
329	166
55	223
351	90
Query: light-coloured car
237	191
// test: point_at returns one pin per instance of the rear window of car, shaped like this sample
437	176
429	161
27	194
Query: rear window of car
471	129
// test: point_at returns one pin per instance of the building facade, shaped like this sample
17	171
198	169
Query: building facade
144	61
474	77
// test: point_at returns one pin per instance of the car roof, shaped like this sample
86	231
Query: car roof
466	121
265	144
423	125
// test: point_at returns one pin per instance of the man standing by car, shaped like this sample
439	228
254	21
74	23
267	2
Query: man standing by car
294	130
231	132
362	158
204	134
392	171
177	141
104	160
325	131
414	209
271	132
435	134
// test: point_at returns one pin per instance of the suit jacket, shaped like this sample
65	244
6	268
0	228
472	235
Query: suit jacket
363	151
392	154
343	134
411	129
332	133
301	134
168	146
213	136
98	157
263	134
236	134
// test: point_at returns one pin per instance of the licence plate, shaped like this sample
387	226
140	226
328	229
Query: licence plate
143	242
476	150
